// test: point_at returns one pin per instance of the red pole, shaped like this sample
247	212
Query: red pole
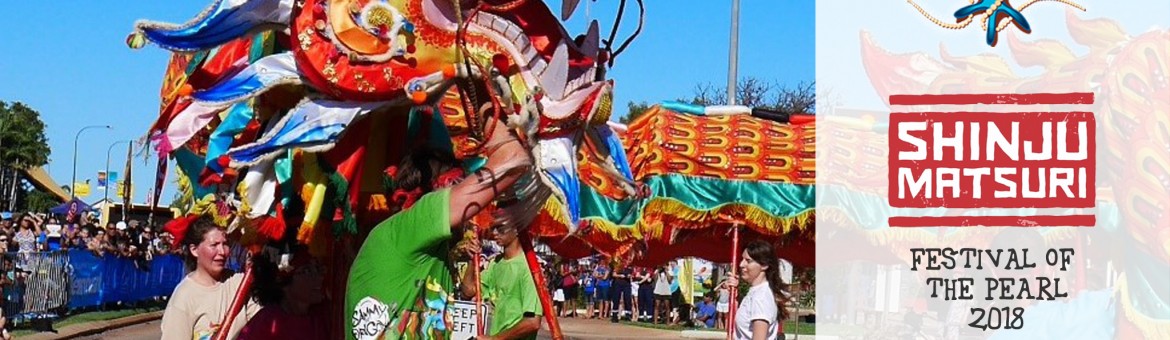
237	303
479	320
550	314
734	271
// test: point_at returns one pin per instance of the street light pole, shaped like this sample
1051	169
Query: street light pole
106	201
733	57
73	180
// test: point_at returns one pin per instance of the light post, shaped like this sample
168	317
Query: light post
73	180
106	203
733	54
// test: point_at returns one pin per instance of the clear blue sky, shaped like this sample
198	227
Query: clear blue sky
69	61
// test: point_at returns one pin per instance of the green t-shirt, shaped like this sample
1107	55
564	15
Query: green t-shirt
399	282
508	285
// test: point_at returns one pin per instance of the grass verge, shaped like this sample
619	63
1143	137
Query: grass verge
87	317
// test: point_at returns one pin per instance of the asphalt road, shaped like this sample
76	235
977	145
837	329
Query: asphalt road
574	329
142	331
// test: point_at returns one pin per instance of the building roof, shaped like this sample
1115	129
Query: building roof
41	180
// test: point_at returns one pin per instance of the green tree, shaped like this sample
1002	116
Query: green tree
634	111
39	201
22	137
753	92
22	146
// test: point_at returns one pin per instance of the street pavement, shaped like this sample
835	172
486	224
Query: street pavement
572	328
143	331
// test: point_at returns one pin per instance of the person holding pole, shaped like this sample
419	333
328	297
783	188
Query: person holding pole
202	299
507	283
400	280
763	307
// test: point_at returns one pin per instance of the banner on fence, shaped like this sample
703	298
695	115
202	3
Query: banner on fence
87	279
107	279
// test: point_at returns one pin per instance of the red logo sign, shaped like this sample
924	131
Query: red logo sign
1024	159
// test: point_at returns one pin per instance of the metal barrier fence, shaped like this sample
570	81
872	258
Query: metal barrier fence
49	284
35	282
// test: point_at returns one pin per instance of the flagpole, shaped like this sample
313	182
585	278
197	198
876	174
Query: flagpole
106	204
126	191
733	53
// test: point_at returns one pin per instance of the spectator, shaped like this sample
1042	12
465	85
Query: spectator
163	243
145	238
604	284
4	335
52	236
723	305
569	285
706	313
621	293
634	293
645	280
554	285
147	243
7	285
80	239
26	237
589	283
98	244
70	231
661	295
288	295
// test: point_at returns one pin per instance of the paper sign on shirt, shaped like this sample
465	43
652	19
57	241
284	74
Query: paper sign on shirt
464	319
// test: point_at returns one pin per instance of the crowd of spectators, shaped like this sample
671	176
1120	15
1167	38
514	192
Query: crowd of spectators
24	233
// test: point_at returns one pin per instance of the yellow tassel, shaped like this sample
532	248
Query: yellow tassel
650	224
313	194
753	217
244	209
1150	328
378	203
186	193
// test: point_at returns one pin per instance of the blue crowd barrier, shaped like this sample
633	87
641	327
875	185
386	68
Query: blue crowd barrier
108	279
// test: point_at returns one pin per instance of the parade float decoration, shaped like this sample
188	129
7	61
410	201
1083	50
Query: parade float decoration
1127	73
284	116
702	173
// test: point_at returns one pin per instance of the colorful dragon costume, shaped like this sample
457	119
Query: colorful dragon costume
284	116
268	86
698	175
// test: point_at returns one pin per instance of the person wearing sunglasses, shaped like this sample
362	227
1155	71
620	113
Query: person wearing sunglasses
507	284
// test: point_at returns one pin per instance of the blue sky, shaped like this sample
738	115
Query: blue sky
69	62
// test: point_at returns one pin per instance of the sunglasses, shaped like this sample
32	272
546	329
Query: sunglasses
503	228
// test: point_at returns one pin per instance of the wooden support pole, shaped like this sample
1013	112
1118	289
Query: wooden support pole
550	315
734	271
237	305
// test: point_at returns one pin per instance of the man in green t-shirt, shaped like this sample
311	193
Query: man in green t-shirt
507	283
400	282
